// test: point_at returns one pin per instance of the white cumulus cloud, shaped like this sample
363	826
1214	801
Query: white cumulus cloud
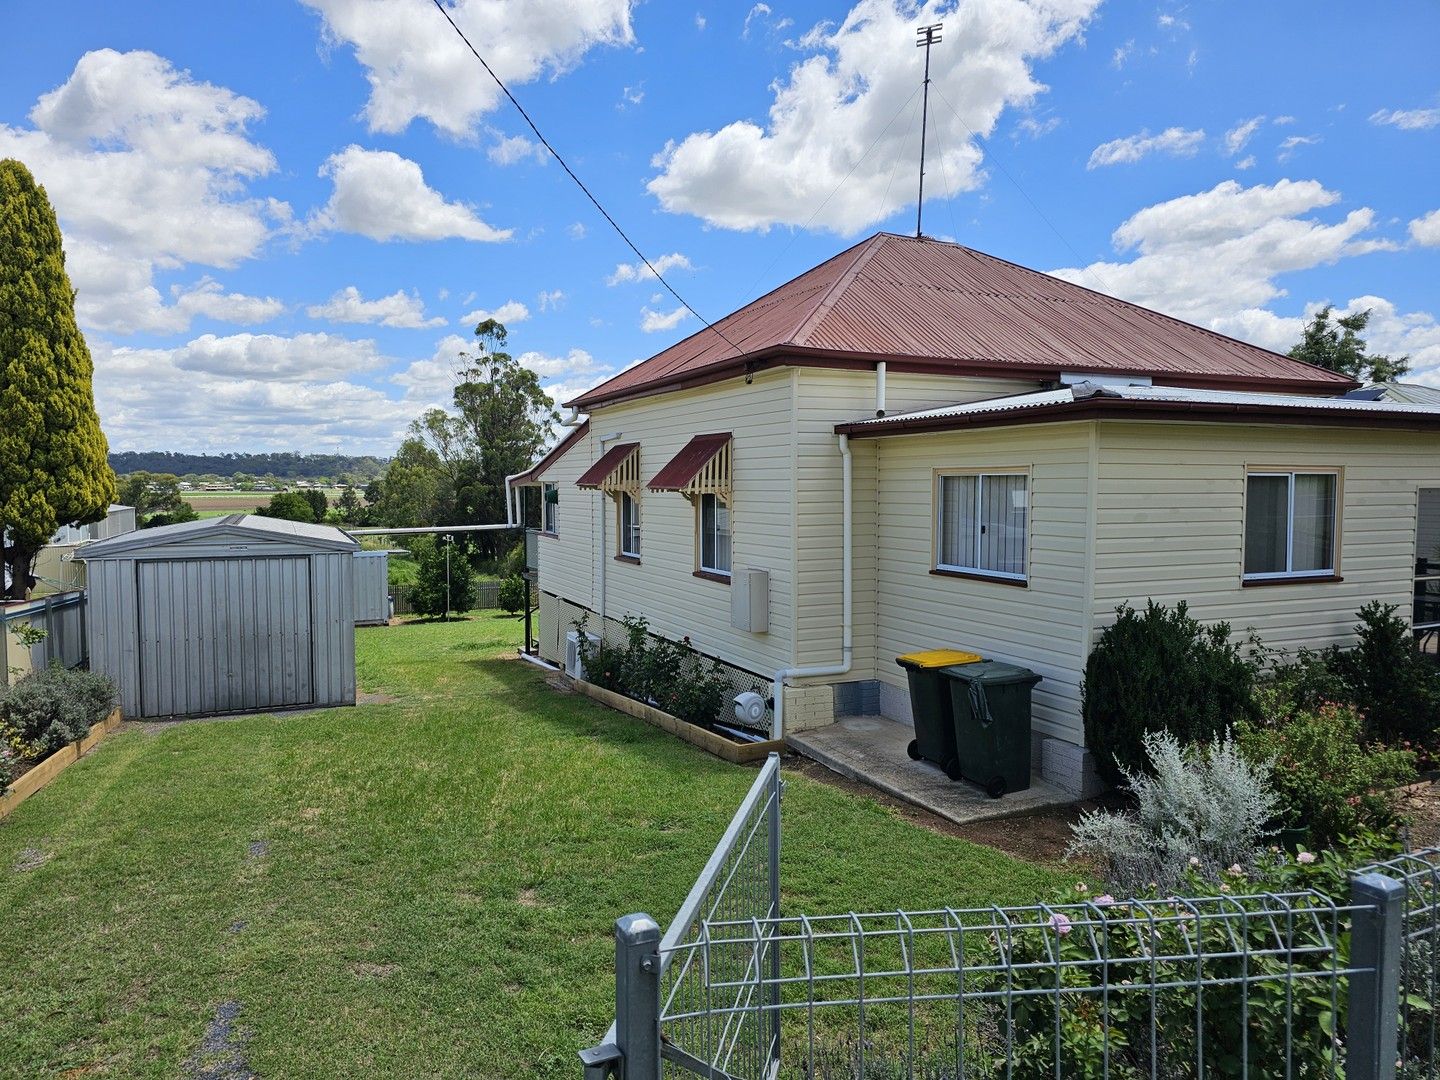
1425	230
513	149
652	322
418	68
379	194
509	313
638	271
399	309
1175	141
304	357
856	86
149	169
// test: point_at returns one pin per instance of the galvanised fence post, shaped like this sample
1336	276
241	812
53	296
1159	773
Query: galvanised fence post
637	997
773	997
1376	941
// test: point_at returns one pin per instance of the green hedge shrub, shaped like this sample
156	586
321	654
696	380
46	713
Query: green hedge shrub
1326	776
1389	678
671	675
514	593
47	709
1161	670
429	592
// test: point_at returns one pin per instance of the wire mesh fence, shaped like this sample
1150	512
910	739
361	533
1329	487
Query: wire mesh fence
1267	985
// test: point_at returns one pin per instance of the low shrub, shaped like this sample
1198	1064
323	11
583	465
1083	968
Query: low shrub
1161	670
429	593
1248	1000
1326	778
1395	684
671	675
513	594
47	709
1198	807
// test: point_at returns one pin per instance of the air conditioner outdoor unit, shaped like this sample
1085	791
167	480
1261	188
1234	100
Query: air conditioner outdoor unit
574	666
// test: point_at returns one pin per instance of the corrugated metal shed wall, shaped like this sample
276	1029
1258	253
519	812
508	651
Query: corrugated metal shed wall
209	626
372	588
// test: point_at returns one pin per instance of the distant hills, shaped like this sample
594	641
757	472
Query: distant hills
281	466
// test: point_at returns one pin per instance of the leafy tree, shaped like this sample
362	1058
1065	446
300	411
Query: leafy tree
414	490
1338	346
53	464
183	512
430	582
150	493
349	505
290	505
318	503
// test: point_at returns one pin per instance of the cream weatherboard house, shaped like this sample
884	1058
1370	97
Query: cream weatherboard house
916	445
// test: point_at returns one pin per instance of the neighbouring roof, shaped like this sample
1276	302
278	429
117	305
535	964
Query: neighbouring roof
240	527
943	307
609	461
1412	393
686	465
1089	401
532	474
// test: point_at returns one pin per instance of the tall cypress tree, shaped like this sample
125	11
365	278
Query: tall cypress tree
53	464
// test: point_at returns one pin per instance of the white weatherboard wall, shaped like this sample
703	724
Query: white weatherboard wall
824	398
1170	523
1045	624
662	586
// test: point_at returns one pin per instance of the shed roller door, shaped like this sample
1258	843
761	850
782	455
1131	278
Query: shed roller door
224	635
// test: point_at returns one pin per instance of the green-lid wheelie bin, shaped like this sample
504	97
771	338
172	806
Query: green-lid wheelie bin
930	705
990	703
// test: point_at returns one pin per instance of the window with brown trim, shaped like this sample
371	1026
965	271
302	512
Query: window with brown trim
982	524
550	509
713	526
1290	524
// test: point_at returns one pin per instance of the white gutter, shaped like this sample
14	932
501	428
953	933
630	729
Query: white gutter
880	388
603	515
847	643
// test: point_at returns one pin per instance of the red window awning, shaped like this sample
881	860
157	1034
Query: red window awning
610	473
702	466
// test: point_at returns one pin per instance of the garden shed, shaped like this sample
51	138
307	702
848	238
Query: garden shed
233	614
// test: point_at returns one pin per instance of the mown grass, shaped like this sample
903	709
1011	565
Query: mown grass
420	888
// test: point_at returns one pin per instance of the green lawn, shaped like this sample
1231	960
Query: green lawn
421	888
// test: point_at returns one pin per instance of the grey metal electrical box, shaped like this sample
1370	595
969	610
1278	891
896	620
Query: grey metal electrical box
750	601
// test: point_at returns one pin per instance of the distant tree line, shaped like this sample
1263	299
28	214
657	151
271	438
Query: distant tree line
284	466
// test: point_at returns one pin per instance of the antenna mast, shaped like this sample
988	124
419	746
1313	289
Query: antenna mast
925	36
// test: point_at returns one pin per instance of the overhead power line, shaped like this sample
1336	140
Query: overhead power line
440	7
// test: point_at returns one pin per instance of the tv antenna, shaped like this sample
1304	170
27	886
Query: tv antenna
925	36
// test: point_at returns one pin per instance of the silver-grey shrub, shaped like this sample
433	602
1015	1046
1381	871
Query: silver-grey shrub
1205	802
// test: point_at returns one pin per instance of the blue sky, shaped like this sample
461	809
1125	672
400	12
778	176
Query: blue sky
278	215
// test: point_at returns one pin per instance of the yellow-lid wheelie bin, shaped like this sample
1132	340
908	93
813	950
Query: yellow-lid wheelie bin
930	705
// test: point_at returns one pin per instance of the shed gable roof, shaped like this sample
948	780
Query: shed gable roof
950	308
233	528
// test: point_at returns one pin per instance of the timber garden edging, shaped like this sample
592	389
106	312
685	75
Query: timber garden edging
738	753
36	778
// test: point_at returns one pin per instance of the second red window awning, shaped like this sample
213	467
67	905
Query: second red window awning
617	470
701	467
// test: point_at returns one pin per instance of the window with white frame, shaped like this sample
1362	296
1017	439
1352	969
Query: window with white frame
629	514
1290	524
982	524
714	535
550	509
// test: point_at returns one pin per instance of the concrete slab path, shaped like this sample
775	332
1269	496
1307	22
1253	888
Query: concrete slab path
871	749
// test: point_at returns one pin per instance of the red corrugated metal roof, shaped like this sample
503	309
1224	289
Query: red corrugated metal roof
532	475
948	307
609	461
686	465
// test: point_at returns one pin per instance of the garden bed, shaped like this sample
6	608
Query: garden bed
733	750
35	778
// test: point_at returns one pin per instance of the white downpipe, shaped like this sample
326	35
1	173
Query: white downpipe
847	643
602	560
573	420
512	508
880	388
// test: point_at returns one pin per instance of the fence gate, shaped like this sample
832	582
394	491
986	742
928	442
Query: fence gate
1246	986
670	1019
